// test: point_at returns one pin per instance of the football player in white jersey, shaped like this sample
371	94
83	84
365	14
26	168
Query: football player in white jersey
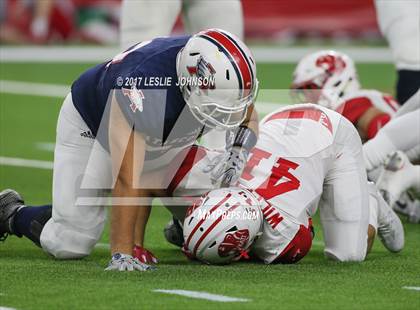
306	157
329	78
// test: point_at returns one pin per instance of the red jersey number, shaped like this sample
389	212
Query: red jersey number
281	169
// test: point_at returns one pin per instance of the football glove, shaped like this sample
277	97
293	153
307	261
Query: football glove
124	262
144	255
227	168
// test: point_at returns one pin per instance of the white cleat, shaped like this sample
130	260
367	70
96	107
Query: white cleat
390	228
396	177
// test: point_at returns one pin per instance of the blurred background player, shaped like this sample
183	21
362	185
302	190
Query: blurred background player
329	78
142	20
387	158
399	22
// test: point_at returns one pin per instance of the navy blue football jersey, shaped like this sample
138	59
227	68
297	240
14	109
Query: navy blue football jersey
144	80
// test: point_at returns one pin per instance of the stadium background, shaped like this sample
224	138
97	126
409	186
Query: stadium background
35	78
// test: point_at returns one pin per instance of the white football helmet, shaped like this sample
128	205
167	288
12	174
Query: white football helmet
222	225
324	77
218	78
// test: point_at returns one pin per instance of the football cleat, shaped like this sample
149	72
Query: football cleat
390	228
409	206
10	203
173	232
396	177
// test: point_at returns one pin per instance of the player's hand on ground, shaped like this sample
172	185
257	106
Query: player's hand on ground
227	168
125	262
144	255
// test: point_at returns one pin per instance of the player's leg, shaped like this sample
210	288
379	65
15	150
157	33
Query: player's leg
413	103
81	169
399	22
203	14
143	20
344	206
71	230
402	133
397	176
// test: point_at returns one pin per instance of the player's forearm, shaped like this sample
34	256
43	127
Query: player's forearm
252	120
142	218
123	222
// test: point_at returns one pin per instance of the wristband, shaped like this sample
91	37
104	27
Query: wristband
245	138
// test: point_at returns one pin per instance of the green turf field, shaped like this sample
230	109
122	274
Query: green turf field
29	279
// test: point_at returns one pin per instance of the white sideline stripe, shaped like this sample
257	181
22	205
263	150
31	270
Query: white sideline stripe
202	295
102	245
29	163
45	146
55	90
413	288
6	308
77	54
34	89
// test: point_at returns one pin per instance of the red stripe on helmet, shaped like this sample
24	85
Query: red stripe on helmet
204	218
212	226
237	55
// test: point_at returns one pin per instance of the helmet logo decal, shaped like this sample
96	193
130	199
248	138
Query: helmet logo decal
331	64
204	72
234	243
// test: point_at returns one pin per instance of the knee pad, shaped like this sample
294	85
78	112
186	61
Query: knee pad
345	256
66	242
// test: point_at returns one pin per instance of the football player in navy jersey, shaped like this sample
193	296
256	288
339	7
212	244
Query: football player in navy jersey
126	118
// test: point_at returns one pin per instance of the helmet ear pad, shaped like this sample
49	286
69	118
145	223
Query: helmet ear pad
297	248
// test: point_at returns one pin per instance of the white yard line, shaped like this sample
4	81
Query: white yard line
6	308
412	288
263	54
202	295
34	89
28	163
102	245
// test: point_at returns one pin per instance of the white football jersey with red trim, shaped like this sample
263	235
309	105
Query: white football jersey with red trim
288	165
369	98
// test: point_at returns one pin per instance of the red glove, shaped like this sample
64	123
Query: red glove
144	256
